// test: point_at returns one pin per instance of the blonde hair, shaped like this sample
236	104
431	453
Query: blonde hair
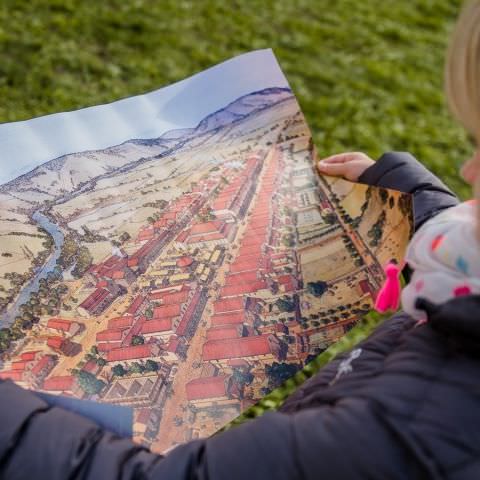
462	69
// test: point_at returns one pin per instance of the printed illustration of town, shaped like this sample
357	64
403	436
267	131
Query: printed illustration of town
186	276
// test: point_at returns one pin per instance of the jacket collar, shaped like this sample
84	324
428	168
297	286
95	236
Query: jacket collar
458	319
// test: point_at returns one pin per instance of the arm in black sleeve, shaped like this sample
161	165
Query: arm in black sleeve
41	441
331	442
374	350
36	439
401	171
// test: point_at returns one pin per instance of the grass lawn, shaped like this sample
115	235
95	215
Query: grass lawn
368	74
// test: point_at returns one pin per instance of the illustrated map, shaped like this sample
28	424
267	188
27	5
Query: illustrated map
187	274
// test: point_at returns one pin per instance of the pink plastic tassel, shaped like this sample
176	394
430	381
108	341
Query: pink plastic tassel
388	297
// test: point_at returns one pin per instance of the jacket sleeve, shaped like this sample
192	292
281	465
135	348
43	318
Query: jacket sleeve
401	171
317	443
313	444
374	349
37	439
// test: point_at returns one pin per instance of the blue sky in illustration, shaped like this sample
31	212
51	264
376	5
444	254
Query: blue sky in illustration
27	144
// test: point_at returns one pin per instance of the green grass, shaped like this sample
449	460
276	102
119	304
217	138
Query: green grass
368	74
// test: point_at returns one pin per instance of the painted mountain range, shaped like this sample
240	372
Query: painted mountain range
69	172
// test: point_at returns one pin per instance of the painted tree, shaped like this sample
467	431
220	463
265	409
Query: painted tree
68	252
151	366
317	288
277	373
137	340
84	260
137	367
119	370
242	377
285	305
89	383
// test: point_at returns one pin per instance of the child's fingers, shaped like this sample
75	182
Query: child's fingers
340	158
334	169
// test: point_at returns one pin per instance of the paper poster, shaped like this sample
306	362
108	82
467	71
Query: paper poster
176	253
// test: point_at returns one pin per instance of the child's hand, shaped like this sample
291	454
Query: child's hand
348	165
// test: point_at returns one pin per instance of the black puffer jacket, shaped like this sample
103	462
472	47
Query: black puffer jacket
404	404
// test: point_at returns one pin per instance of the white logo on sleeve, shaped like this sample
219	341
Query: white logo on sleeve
346	365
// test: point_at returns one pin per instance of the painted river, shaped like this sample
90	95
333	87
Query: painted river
8	317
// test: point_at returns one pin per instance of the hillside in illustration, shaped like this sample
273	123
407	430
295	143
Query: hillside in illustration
83	189
66	173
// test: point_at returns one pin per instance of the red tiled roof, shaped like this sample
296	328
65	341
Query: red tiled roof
187	316
234	290
228	318
245	265
19	366
161	223
261	212
207	387
170	298
259	222
146	249
90	366
106	347
95	298
172	310
114	261
241	277
55	342
109	266
221	203
228	304
236	347
284	279
184	261
118	274
145	234
182	236
60	324
156	295
256	229
157	326
14	375
170	216
29	355
208	237
253	241
44	362
135	305
250	250
207	227
176	297
110	334
220	332
289	283
60	383
132	262
120	322
130	353
101	284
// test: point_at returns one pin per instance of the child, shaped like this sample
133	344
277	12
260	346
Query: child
404	404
